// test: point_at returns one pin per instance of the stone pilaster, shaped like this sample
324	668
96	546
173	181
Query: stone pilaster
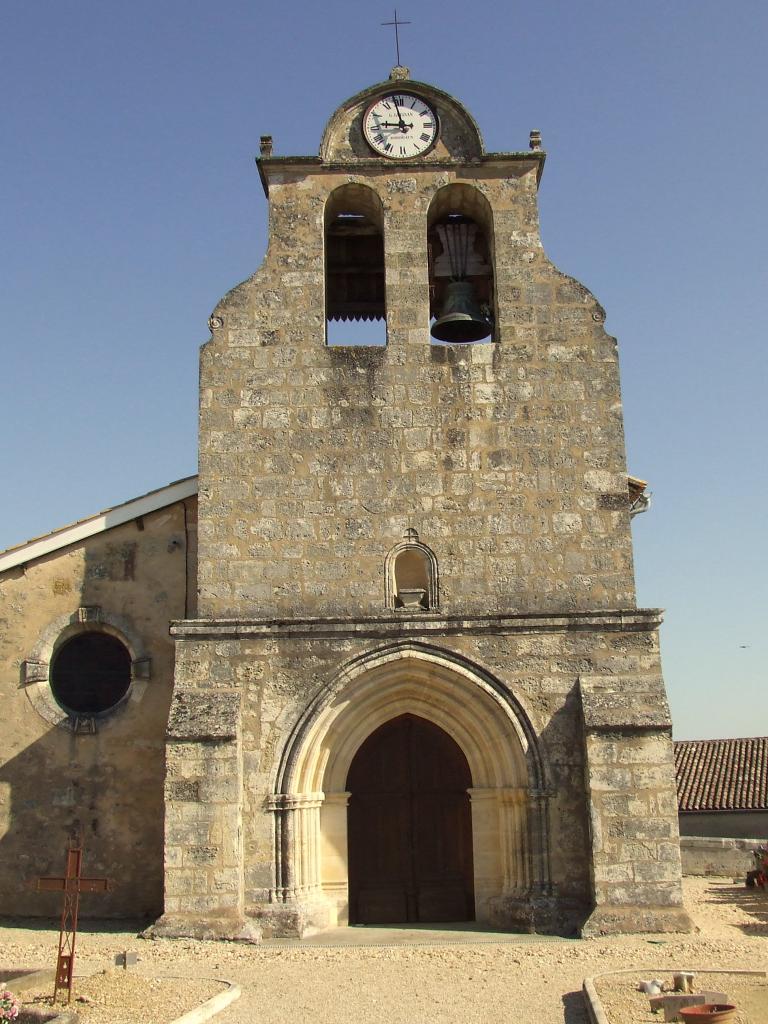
203	819
630	789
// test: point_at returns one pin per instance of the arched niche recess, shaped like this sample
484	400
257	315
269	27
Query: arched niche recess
509	813
460	246
411	578
355	293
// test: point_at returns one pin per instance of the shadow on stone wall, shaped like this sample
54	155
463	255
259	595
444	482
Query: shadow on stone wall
562	751
58	783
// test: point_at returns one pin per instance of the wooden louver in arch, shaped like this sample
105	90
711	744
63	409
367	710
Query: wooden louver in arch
354	269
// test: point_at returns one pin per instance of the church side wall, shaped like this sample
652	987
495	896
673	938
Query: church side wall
507	457
127	581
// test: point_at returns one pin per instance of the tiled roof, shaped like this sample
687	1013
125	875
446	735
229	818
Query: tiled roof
722	775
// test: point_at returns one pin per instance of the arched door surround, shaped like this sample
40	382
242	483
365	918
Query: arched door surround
508	794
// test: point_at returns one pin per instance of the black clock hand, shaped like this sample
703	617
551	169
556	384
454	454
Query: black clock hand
403	126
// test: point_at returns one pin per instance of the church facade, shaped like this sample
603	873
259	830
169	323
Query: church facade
406	677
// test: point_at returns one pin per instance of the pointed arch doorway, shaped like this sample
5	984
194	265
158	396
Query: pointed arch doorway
410	826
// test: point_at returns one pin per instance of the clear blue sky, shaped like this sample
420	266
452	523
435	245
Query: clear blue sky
130	203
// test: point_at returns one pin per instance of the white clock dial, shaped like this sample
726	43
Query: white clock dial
400	126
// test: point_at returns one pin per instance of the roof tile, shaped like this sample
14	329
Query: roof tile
722	775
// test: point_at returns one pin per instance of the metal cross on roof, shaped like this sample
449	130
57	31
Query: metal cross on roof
397	24
71	883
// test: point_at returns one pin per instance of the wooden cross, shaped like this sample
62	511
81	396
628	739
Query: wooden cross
71	884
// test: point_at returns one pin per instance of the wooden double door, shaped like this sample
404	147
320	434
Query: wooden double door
410	827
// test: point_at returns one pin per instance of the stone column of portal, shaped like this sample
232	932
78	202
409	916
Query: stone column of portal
296	895
515	905
334	858
518	808
489	852
527	894
540	881
514	834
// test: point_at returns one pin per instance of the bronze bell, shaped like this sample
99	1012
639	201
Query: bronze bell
461	318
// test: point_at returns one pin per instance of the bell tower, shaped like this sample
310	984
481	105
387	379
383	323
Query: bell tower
433	528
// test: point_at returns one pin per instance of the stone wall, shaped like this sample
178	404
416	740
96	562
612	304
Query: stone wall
507	457
278	671
128	581
725	824
730	858
635	853
506	461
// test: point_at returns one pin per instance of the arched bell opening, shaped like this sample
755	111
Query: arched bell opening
462	303
507	797
355	296
410	826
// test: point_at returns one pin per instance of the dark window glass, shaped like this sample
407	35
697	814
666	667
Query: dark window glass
91	673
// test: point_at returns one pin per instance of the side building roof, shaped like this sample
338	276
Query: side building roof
722	775
106	520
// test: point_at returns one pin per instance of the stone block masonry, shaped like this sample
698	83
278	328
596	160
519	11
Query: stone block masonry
415	530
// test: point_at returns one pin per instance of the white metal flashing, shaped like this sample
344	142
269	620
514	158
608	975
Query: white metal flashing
106	520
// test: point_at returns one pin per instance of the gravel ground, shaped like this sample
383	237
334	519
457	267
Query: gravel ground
623	1003
515	982
143	1002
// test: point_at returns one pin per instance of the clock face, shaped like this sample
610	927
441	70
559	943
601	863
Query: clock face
400	126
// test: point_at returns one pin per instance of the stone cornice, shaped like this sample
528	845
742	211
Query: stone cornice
397	625
299	163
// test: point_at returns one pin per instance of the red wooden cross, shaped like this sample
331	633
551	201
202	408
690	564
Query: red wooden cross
71	884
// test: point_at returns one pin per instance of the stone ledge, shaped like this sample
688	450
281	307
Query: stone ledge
607	708
204	714
725	858
424	623
182	926
294	919
634	920
211	1006
26	981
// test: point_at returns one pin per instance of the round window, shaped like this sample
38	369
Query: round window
90	673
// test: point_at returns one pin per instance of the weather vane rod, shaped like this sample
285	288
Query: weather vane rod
397	25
